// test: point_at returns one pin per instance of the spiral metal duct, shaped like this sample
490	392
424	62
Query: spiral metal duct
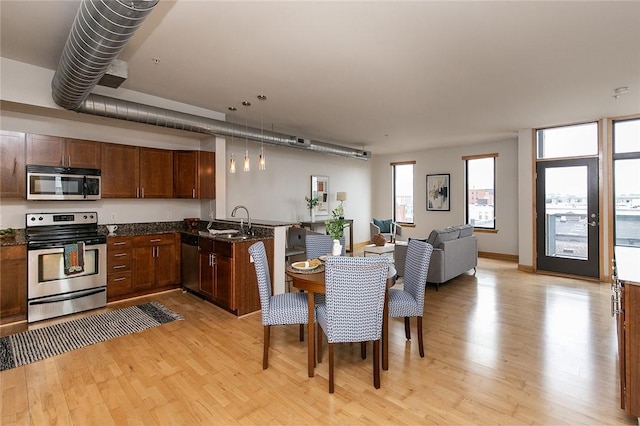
99	33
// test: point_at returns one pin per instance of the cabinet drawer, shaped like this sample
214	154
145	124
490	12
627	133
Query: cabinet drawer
153	240
119	243
120	265
118	284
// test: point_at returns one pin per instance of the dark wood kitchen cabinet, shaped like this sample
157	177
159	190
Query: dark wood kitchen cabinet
136	172
119	267
56	151
120	170
12	162
215	279
227	274
626	307
156	262
156	173
13	283
194	174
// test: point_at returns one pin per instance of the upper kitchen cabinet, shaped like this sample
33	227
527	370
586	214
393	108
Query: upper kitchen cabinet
120	171
12	162
194	174
136	172
156	173
55	151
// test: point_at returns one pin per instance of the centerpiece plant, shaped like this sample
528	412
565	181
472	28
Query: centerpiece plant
311	204
335	226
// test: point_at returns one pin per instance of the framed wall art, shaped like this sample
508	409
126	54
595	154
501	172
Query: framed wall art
438	192
320	190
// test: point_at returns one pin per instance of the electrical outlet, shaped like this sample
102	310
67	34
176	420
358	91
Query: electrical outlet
169	215
113	217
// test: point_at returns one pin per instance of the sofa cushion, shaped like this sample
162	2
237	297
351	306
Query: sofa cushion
442	235
465	230
384	225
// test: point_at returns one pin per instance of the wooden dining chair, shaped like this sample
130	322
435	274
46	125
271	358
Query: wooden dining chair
409	302
279	309
354	306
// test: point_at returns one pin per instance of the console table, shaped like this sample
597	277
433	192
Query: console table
320	223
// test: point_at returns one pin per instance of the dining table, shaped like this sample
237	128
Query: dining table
313	282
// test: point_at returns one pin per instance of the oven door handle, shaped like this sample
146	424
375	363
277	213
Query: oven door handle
78	295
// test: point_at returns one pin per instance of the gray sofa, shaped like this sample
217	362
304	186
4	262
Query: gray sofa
455	251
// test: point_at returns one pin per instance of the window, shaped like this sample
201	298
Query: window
403	192
552	143
480	190
626	181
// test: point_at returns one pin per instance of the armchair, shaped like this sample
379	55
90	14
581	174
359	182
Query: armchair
387	227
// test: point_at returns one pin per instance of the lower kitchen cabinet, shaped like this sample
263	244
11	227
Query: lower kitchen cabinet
13	283
227	275
142	264
156	261
119	271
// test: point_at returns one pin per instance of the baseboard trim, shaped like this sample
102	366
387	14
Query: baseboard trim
525	268
498	256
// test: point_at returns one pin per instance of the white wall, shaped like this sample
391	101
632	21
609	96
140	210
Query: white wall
449	160
278	192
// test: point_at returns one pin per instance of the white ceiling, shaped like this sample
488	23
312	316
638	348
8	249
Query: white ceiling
388	77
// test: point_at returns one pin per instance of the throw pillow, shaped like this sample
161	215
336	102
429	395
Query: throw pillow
384	225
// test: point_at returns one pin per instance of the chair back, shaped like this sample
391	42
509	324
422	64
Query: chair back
259	254
319	245
416	269
355	289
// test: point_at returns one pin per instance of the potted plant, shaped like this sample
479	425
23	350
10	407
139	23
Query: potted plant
311	204
335	228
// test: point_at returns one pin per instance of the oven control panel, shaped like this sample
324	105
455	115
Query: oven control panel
47	219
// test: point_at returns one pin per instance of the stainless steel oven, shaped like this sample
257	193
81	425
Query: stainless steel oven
55	288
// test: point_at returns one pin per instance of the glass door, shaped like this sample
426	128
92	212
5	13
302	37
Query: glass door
567	219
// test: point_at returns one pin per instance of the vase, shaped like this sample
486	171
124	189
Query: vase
337	248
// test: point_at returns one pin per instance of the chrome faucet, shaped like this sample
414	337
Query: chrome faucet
249	228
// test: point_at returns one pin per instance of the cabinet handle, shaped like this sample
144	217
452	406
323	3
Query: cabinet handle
119	279
15	166
142	192
119	254
155	240
119	266
68	161
193	193
121	243
137	192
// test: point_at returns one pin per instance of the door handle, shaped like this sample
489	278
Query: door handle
593	223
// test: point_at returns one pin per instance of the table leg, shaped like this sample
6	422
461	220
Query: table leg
385	332
311	334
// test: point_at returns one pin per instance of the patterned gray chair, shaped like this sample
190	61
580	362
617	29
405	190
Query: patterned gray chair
279	309
355	289
320	245
409	302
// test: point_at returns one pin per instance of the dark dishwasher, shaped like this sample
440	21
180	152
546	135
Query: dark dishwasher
190	271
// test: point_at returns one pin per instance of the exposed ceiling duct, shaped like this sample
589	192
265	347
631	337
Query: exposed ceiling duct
99	33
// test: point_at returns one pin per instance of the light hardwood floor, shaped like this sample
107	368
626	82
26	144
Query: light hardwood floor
501	347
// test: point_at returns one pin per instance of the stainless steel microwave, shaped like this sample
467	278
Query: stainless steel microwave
62	183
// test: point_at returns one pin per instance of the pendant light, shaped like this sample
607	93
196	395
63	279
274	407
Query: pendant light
245	164
262	161
232	161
